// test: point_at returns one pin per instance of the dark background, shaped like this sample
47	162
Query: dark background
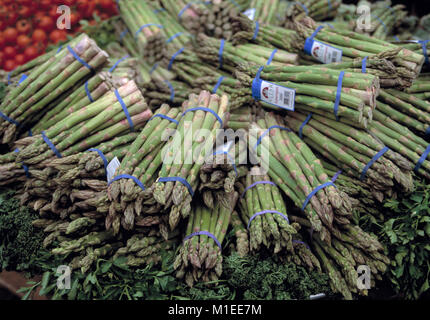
415	7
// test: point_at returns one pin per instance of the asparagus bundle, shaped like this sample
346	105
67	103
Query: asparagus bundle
299	173
316	90
242	118
42	87
128	201
354	45
272	229
241	234
158	92
356	152
111	115
200	258
195	137
266	11
319	10
208	49
144	25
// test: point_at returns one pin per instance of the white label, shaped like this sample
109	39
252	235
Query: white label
250	13
111	168
277	95
325	53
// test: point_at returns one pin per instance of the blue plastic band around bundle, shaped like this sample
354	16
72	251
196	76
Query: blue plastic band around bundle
124	107
88	92
205	233
8	78
301	242
23	77
396	38
229	158
157	11
422	159
264	212
181	180
309	41
308	118
257	28
267	131
371	162
424	46
105	161
329	24
364	65
27	173
30	133
337	174
175	36
220	80
8	119
207	110
172	90
127	176
146	26
155	66
257	183
74	54
51	145
338	94
118	62
59	49
188	5
221	51
381	22
302	5
256	85
272	55
428	131
174	57
122	34
163	116
309	197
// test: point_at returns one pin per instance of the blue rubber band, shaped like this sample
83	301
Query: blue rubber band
8	78
176	36
257	183
301	242
229	158
220	80
267	131
337	174
302	5
221	51
145	26
23	77
428	131
188	5
206	233
338	94
51	145
422	159
122	34
329	24
424	46
9	119
155	66
382	22
88	92
127	176
158	115
174	57
364	65
371	162
207	110
157	11
181	180
396	38
26	170
271	57
309	41
124	107
308	118
309	197
74	54
256	85
264	212
105	161
30	133
257	28
117	63
172	90
59	49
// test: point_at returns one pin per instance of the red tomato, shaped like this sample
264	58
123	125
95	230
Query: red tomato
20	59
74	18
23	26
10	35
24	2
11	16
9	52
46	5
68	2
39	36
9	65
46	23
25	12
23	41
31	53
2	40
1	58
57	35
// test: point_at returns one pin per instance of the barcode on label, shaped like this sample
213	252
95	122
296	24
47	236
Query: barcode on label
334	56
287	97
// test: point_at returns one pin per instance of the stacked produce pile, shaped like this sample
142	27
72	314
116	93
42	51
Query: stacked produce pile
319	10
37	93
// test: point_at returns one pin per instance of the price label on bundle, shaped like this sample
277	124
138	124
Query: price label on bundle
250	13
111	168
324	52
277	95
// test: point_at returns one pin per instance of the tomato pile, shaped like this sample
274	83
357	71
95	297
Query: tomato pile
27	27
